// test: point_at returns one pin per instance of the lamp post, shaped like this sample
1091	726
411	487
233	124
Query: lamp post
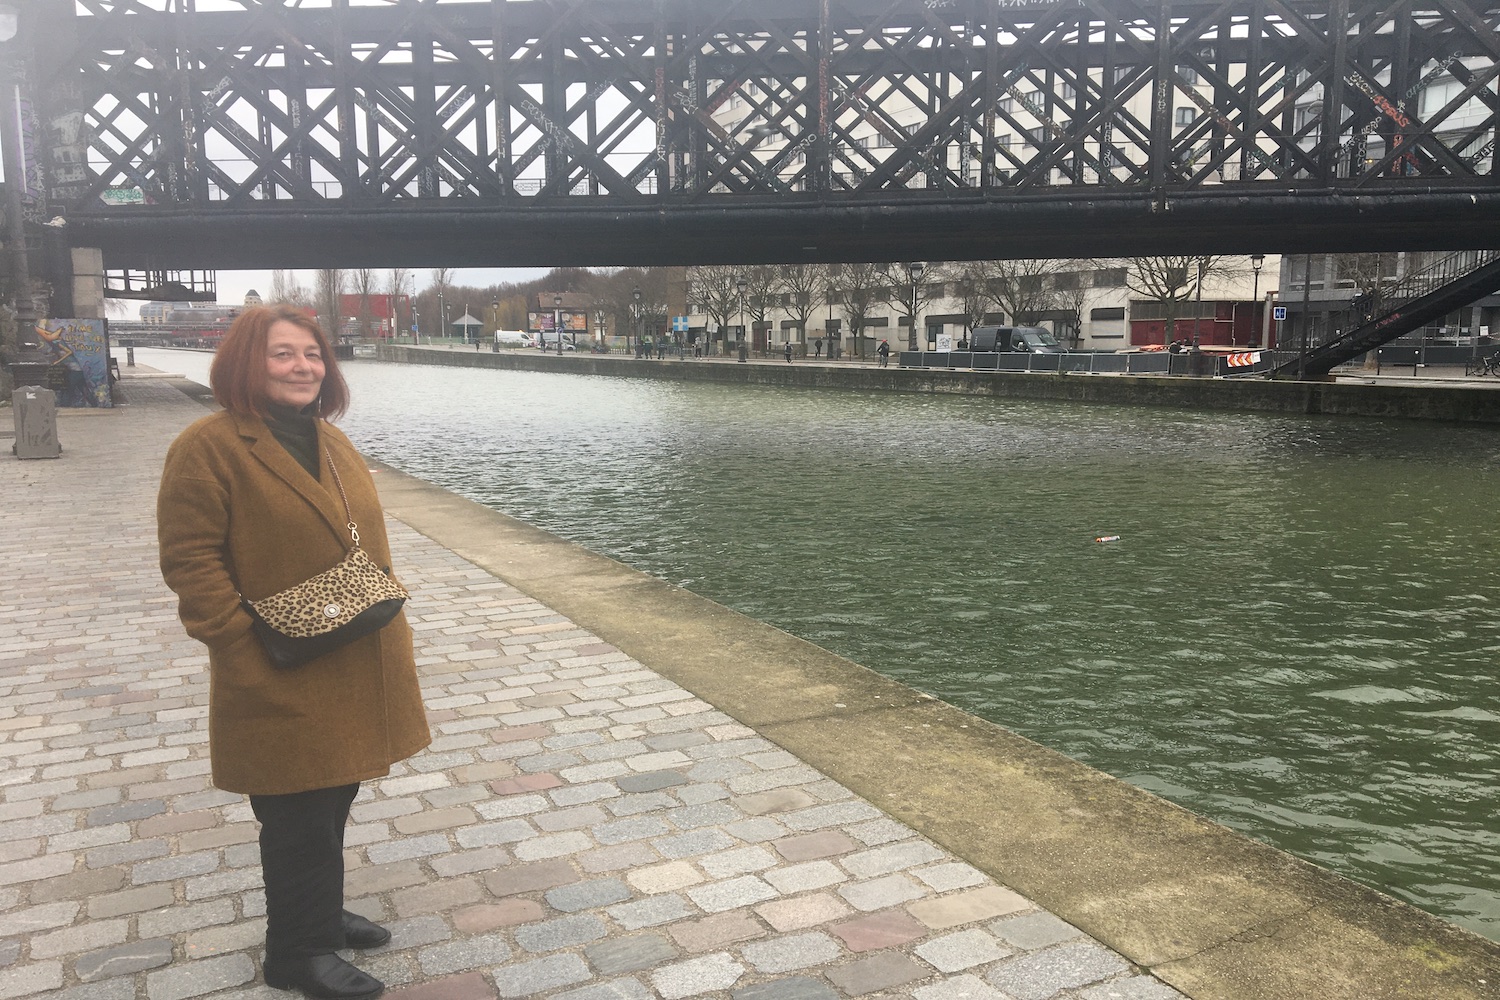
557	320
635	319
416	326
599	327
442	314
15	177
740	284
495	321
1198	301
915	269
1257	261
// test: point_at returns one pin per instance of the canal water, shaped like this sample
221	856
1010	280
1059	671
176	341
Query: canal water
1295	631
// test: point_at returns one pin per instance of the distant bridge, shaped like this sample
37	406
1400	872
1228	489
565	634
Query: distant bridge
318	133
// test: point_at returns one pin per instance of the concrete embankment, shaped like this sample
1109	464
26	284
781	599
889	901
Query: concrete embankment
1459	402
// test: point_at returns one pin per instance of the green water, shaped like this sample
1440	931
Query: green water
1295	634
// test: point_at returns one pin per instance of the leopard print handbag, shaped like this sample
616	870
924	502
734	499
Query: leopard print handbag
351	599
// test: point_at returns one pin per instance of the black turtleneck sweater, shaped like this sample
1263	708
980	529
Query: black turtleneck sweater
297	430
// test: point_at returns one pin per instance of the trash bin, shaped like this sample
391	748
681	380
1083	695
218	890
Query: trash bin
35	410
744	351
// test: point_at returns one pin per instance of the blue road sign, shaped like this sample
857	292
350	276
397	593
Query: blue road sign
679	324
1278	313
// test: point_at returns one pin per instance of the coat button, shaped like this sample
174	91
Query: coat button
332	610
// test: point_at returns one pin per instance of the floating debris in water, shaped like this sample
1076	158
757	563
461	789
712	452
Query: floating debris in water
1107	538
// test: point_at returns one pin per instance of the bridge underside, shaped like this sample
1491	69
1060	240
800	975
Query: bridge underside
785	230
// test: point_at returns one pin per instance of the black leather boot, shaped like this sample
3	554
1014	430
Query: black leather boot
362	933
326	977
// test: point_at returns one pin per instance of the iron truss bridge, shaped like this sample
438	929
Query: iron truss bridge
316	133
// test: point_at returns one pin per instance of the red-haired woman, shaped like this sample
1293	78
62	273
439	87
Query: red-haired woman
249	506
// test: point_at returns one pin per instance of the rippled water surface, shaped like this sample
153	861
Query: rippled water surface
1295	634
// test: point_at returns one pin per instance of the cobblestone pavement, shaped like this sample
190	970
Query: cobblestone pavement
581	827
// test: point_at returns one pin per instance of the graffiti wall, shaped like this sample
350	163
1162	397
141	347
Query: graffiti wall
78	352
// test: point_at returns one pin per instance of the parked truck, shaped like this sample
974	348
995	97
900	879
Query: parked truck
1015	339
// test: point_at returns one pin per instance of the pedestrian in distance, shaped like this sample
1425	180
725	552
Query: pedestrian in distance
818	348
255	499
788	352
884	350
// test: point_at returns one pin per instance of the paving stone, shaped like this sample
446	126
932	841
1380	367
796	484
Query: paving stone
588	895
10	952
175	919
618	858
525	783
488	834
123	960
629	954
693	843
108	989
651	781
406	850
1134	988
809	875
892	858
1042	974
707	814
239	936
619	989
127	812
951	875
802	911
887	929
962	950
775	801
25	980
530	877
414	933
665	878
728	895
1034	930
194	979
791	988
462	955
82	937
959	988
485	859
878	831
964	907
879	972
877	894
635	828
697	975
737	861
553	845
717	931
39	918
542	974
792	952
48	867
436	897
564	932
488	916
813	846
575	818
662	909
637	803
382	878
434	819
464	986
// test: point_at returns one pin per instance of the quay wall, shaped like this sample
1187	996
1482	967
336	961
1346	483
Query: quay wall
1461	403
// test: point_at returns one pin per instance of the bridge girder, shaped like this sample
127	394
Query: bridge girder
610	131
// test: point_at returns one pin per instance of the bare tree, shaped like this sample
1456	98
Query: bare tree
1173	280
364	283
712	286
442	282
862	287
973	280
285	289
1022	288
764	287
330	293
396	281
803	285
910	296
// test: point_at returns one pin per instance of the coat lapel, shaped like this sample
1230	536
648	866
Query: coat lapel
322	496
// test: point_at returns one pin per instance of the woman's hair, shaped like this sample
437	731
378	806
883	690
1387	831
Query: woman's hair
238	373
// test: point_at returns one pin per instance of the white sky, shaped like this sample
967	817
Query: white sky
233	285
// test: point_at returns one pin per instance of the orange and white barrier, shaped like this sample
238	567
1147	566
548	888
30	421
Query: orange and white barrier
1242	360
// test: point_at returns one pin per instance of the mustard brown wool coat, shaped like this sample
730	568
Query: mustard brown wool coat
237	514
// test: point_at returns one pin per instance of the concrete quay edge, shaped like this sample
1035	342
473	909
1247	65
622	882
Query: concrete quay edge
1213	913
1461	403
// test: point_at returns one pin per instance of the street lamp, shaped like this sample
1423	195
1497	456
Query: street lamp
740	284
557	320
635	319
599	327
495	320
1198	301
1257	261
915	270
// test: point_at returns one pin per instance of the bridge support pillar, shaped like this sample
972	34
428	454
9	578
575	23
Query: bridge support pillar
86	283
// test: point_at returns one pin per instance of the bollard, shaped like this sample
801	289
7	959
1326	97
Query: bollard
35	412
130	357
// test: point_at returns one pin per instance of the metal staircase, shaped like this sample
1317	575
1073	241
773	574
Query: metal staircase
1410	304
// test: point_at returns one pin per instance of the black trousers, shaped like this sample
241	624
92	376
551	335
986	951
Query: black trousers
302	859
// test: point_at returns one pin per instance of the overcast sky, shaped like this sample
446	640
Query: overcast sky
233	285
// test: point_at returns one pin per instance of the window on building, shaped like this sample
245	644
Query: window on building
1005	141
1038	135
1109	277
1107	324
1188	74
1121	72
1068	92
1184	117
1007	104
1065	280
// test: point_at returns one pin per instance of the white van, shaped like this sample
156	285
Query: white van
514	338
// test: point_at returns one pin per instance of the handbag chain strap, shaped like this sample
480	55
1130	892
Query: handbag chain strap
353	528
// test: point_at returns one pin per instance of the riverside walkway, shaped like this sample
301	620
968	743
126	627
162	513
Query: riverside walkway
581	827
585	826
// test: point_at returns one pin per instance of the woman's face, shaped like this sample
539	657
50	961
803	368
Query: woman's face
294	365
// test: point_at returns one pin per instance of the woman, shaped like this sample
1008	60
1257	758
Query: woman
248	506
